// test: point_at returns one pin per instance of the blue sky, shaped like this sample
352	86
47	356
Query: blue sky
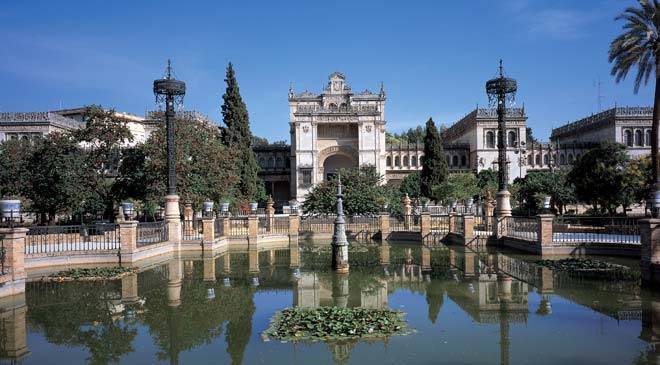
432	56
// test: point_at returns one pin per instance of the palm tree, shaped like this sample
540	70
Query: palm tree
639	46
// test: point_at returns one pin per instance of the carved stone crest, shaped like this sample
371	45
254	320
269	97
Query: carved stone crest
305	128
368	128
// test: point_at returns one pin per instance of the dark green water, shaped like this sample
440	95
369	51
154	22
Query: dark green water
467	307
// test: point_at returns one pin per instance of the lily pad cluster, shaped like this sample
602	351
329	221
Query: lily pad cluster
94	273
589	267
332	323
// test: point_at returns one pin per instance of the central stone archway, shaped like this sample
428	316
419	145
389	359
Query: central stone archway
334	158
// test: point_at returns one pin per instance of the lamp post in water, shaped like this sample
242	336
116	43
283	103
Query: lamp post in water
339	241
499	90
170	91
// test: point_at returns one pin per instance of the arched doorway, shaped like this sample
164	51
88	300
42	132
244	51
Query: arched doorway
335	162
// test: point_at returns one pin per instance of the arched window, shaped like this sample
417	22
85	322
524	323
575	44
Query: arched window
405	160
538	159
511	139
647	139
490	140
463	160
332	106
342	106
271	162
562	159
454	160
388	161
530	160
570	158
279	162
546	159
413	161
628	138
638	138
262	162
397	161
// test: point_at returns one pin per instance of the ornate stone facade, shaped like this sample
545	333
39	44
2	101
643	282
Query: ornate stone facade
334	129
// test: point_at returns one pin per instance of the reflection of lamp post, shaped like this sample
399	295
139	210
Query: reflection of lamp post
170	91
498	90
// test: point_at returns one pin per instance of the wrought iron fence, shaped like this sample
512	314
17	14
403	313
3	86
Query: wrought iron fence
191	230
409	223
54	239
439	223
238	227
362	223
620	230
459	225
149	233
317	223
525	228
279	225
483	225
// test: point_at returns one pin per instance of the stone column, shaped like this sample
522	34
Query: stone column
452	222
468	228
174	283
384	224
208	233
226	227
253	230
544	233
13	240
128	240
209	269
649	230
294	227
129	289
425	224
270	214
173	219
407	211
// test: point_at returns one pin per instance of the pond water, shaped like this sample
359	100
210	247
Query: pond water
467	307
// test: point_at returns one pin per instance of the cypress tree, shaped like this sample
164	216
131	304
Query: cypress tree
236	135
434	165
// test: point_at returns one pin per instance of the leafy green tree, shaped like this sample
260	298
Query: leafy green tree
238	137
461	186
104	137
204	166
362	189
534	187
15	176
639	180
600	176
487	182
411	185
434	165
639	45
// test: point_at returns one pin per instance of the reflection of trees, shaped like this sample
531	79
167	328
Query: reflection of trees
198	320
434	298
80	314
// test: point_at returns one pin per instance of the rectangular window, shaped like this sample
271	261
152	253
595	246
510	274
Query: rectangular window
306	178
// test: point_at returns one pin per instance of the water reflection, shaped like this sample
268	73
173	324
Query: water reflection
188	305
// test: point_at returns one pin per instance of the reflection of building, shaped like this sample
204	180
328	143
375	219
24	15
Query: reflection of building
310	291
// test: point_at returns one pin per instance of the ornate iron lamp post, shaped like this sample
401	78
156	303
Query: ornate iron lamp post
339	241
170	91
499	90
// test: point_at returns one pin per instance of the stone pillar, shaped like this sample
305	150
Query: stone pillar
544	233
15	331
503	204
173	219
270	214
253	230
294	227
452	222
407	212
129	288
468	228
226	227
209	269
340	290
174	283
208	233
425	224
384	224
13	240
649	230
546	280
128	240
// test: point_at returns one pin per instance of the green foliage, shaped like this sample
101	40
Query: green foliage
15	176
411	185
530	135
600	178
462	187
487	182
412	135
362	189
594	269
204	166
534	187
237	137
94	272
332	323
434	165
